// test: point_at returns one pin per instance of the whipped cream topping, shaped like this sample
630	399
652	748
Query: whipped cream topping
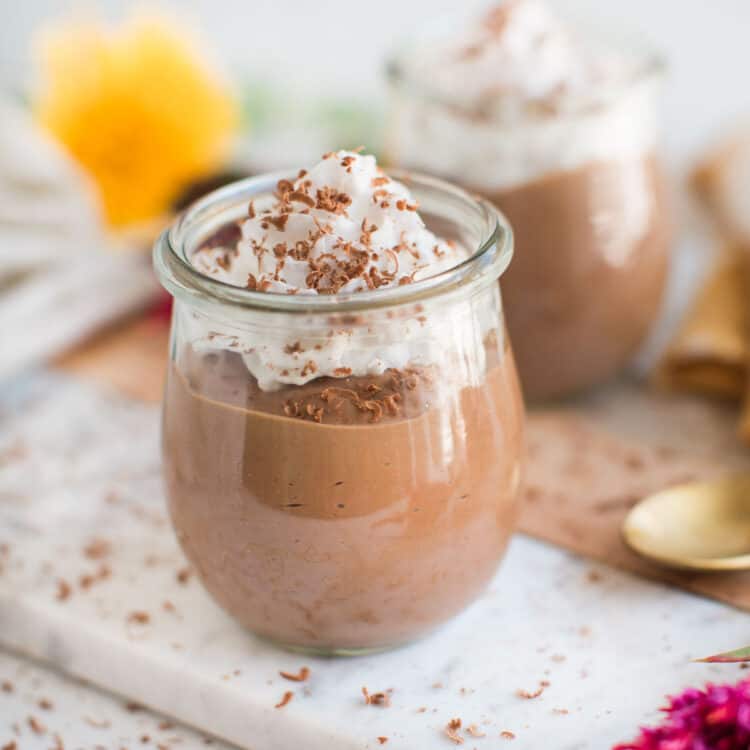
341	227
517	95
517	57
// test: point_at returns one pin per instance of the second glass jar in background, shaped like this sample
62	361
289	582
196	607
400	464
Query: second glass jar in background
585	195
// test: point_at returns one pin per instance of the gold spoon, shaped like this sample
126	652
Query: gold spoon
695	526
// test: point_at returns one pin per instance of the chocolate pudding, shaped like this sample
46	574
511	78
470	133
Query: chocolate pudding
344	481
344	514
560	135
599	286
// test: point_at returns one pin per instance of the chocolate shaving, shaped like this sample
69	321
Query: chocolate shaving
300	197
36	726
288	695
451	731
103	724
530	695
139	618
64	590
279	221
97	549
301	676
331	200
376	699
183	575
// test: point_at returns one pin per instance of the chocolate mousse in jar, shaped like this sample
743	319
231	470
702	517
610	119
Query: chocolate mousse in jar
342	426
559	131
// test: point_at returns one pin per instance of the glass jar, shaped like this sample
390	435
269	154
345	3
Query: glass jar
584	192
350	513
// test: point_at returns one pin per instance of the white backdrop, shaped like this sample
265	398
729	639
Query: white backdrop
340	44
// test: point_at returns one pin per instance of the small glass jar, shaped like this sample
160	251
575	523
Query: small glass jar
584	191
356	512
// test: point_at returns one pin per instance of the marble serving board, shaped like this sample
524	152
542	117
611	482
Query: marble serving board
42	709
92	582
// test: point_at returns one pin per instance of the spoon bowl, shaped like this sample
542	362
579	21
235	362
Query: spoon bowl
697	526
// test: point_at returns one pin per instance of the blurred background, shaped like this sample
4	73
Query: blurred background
337	47
285	82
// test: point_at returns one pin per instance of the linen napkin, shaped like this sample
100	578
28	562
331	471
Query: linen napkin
59	278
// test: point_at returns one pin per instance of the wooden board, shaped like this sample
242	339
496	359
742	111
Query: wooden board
131	357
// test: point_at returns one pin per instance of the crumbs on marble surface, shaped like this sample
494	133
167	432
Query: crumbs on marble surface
36	726
530	695
64	590
285	699
183	576
139	617
102	573
300	676
507	735
97	549
377	699
97	723
382	740
451	731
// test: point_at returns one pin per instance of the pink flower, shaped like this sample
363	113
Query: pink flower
717	718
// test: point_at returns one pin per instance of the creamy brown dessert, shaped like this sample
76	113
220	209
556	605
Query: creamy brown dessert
561	137
598	288
326	515
343	481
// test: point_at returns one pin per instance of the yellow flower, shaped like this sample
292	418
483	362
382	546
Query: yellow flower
137	107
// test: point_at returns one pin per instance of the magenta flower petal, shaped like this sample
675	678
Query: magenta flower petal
717	718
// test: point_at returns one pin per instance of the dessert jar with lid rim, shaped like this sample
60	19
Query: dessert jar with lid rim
584	190
350	512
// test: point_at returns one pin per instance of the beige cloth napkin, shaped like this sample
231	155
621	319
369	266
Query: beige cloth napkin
710	354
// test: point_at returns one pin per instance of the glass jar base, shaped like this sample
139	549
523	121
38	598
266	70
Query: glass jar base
335	651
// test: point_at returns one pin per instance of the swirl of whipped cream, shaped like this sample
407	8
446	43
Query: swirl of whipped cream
518	56
516	94
341	227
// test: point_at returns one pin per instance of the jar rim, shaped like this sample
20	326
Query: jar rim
652	67
183	280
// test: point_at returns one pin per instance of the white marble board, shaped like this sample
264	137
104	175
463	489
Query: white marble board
79	465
